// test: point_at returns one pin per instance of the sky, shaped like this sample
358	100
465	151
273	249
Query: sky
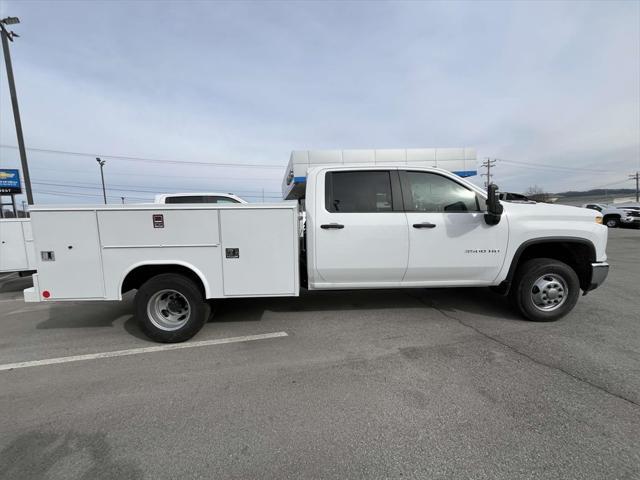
550	89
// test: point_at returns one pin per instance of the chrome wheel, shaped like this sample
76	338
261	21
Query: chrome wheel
549	292
168	310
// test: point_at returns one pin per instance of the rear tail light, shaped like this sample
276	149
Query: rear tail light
46	294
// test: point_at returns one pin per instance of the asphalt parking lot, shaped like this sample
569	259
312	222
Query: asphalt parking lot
366	384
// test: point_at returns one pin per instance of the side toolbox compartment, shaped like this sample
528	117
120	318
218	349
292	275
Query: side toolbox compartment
67	249
260	251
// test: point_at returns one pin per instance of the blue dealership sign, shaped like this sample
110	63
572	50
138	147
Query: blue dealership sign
10	181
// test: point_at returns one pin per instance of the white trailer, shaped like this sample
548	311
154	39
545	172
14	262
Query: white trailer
16	246
367	225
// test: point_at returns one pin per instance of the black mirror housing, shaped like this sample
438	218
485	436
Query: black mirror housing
494	207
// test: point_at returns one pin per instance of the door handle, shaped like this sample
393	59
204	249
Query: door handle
424	225
335	226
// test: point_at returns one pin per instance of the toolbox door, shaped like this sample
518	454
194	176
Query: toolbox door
259	251
68	254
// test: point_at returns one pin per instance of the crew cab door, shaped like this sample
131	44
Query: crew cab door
360	231
449	241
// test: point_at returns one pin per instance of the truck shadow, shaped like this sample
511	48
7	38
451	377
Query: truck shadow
94	314
454	302
477	301
41	455
14	283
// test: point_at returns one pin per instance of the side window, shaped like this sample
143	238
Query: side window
220	200
184	199
360	191
429	192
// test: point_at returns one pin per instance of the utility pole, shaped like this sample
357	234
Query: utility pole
636	177
104	191
488	163
7	37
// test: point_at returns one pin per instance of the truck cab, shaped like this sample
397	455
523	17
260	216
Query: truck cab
387	227
390	226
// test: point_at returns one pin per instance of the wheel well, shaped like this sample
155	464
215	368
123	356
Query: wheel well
136	277
577	254
614	215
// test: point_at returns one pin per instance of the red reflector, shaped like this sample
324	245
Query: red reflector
46	294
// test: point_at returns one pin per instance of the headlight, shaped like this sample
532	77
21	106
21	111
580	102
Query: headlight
599	220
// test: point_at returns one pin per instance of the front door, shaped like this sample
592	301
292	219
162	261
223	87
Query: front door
449	241
361	235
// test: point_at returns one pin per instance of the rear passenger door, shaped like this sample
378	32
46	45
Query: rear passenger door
360	230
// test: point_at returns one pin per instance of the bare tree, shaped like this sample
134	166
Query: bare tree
537	194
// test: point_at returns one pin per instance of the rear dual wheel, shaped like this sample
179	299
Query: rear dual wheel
170	308
545	289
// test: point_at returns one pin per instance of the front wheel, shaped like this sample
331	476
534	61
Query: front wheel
545	289
612	222
170	308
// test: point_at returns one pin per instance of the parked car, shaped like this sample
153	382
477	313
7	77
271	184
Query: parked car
613	217
514	197
207	197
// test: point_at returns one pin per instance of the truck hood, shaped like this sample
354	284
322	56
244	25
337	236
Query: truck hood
548	211
528	221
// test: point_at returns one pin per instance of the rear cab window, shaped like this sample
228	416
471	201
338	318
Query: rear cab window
359	191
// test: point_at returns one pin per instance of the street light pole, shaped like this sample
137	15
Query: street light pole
104	191
6	38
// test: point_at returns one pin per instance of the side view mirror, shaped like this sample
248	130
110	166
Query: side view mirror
494	207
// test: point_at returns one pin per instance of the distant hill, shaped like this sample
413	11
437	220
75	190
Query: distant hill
598	192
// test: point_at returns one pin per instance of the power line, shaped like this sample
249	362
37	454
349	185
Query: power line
609	184
66	170
147	159
77	194
85	185
551	167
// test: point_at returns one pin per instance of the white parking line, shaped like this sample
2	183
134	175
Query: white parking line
137	351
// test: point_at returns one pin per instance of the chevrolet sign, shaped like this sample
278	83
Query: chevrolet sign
10	181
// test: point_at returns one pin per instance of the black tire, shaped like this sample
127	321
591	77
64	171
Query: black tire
526	281
612	222
186	290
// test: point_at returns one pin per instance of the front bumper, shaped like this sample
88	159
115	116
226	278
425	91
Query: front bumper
630	221
599	272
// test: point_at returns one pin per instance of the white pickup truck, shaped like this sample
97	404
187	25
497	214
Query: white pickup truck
614	217
367	225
